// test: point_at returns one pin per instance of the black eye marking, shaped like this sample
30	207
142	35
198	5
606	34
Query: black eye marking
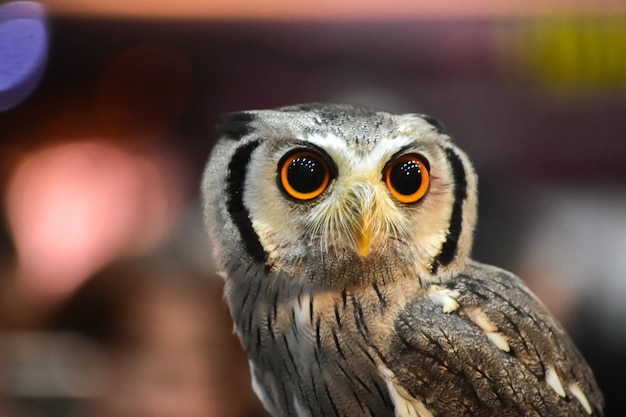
239	213
450	246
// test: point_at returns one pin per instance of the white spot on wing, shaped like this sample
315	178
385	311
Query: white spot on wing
554	382
445	298
300	411
481	320
302	311
498	340
256	386
581	397
491	330
260	391
404	404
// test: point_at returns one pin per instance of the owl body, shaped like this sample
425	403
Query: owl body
344	236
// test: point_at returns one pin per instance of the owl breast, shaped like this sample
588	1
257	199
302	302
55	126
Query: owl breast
321	351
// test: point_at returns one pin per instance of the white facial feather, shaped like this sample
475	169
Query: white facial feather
327	224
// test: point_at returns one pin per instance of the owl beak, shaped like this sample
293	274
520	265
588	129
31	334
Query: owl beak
363	235
361	201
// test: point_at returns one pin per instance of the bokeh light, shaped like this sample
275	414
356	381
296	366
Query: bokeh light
324	9
23	50
75	207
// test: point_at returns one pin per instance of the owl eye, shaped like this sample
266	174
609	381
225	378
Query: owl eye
303	174
407	177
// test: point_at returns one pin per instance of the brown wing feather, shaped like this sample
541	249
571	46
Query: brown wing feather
448	362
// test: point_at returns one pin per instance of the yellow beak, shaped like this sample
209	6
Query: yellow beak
363	235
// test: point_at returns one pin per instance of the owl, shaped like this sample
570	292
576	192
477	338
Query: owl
343	234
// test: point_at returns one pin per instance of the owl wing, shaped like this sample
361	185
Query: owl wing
482	344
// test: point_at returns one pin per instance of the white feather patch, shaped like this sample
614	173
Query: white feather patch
302	311
581	397
300	411
258	389
479	318
499	340
554	382
404	404
445	298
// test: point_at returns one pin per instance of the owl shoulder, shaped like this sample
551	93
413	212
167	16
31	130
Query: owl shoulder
480	342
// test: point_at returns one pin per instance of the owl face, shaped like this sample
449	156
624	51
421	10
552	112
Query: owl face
322	189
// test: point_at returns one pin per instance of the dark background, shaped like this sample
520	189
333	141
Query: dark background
537	102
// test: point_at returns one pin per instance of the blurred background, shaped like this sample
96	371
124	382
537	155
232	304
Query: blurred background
109	305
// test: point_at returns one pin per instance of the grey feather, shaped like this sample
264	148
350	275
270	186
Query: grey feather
451	365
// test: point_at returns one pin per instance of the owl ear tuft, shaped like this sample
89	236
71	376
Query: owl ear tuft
236	125
439	127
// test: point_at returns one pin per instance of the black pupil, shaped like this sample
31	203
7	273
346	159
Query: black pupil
406	177
306	174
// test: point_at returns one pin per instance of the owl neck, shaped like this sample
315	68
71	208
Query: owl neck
344	269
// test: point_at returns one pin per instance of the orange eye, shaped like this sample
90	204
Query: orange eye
303	174
407	177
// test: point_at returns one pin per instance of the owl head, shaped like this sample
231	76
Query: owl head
329	193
